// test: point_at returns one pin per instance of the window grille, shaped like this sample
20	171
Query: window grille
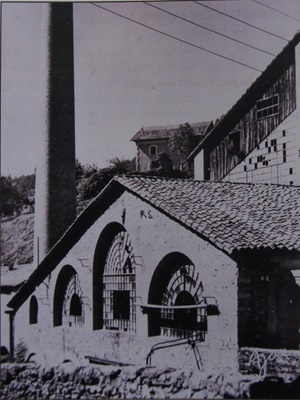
73	310
119	289
267	107
183	289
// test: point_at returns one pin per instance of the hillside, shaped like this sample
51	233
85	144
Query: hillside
17	239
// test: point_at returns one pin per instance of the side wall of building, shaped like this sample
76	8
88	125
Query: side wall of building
268	147
153	236
275	160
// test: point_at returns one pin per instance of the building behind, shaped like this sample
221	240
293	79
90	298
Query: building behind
152	141
258	140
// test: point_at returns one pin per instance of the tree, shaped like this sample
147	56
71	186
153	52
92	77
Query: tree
162	166
12	200
183	140
94	179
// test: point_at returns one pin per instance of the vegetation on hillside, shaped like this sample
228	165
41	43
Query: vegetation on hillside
17	195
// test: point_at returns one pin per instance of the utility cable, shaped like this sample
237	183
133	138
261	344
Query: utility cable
278	11
210	30
175	38
243	22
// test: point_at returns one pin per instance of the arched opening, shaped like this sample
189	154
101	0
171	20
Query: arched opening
67	302
33	310
114	281
75	306
176	282
185	318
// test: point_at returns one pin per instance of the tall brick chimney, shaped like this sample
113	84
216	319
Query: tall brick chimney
55	207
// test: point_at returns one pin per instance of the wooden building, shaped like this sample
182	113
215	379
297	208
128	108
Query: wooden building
258	140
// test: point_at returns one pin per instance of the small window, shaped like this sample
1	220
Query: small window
283	132
255	166
259	158
245	168
291	171
273	142
267	107
269	149
121	304
250	161
152	150
33	310
266	144
284	146
233	146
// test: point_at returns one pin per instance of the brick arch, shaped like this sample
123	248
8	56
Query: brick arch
175	282
64	277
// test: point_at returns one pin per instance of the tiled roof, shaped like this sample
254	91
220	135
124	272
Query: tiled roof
230	215
164	132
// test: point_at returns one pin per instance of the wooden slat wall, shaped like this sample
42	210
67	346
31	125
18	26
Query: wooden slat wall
252	131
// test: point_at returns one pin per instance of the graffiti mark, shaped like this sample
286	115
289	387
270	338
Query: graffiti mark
261	360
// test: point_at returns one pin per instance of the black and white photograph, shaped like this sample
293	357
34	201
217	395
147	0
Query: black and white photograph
150	200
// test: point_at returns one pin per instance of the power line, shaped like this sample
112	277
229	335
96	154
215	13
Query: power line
210	30
278	11
175	38
243	22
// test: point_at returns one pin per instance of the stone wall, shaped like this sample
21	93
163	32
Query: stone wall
70	382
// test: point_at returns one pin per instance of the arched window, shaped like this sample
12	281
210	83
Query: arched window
68	305
177	287
114	281
33	310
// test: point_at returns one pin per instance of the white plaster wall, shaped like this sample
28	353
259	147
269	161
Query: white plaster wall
151	239
199	166
4	321
287	136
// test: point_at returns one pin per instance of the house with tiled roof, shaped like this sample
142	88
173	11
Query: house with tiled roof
258	139
165	271
153	140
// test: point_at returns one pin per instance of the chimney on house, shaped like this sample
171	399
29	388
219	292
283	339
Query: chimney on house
55	204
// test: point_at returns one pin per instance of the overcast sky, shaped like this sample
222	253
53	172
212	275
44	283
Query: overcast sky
127	76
